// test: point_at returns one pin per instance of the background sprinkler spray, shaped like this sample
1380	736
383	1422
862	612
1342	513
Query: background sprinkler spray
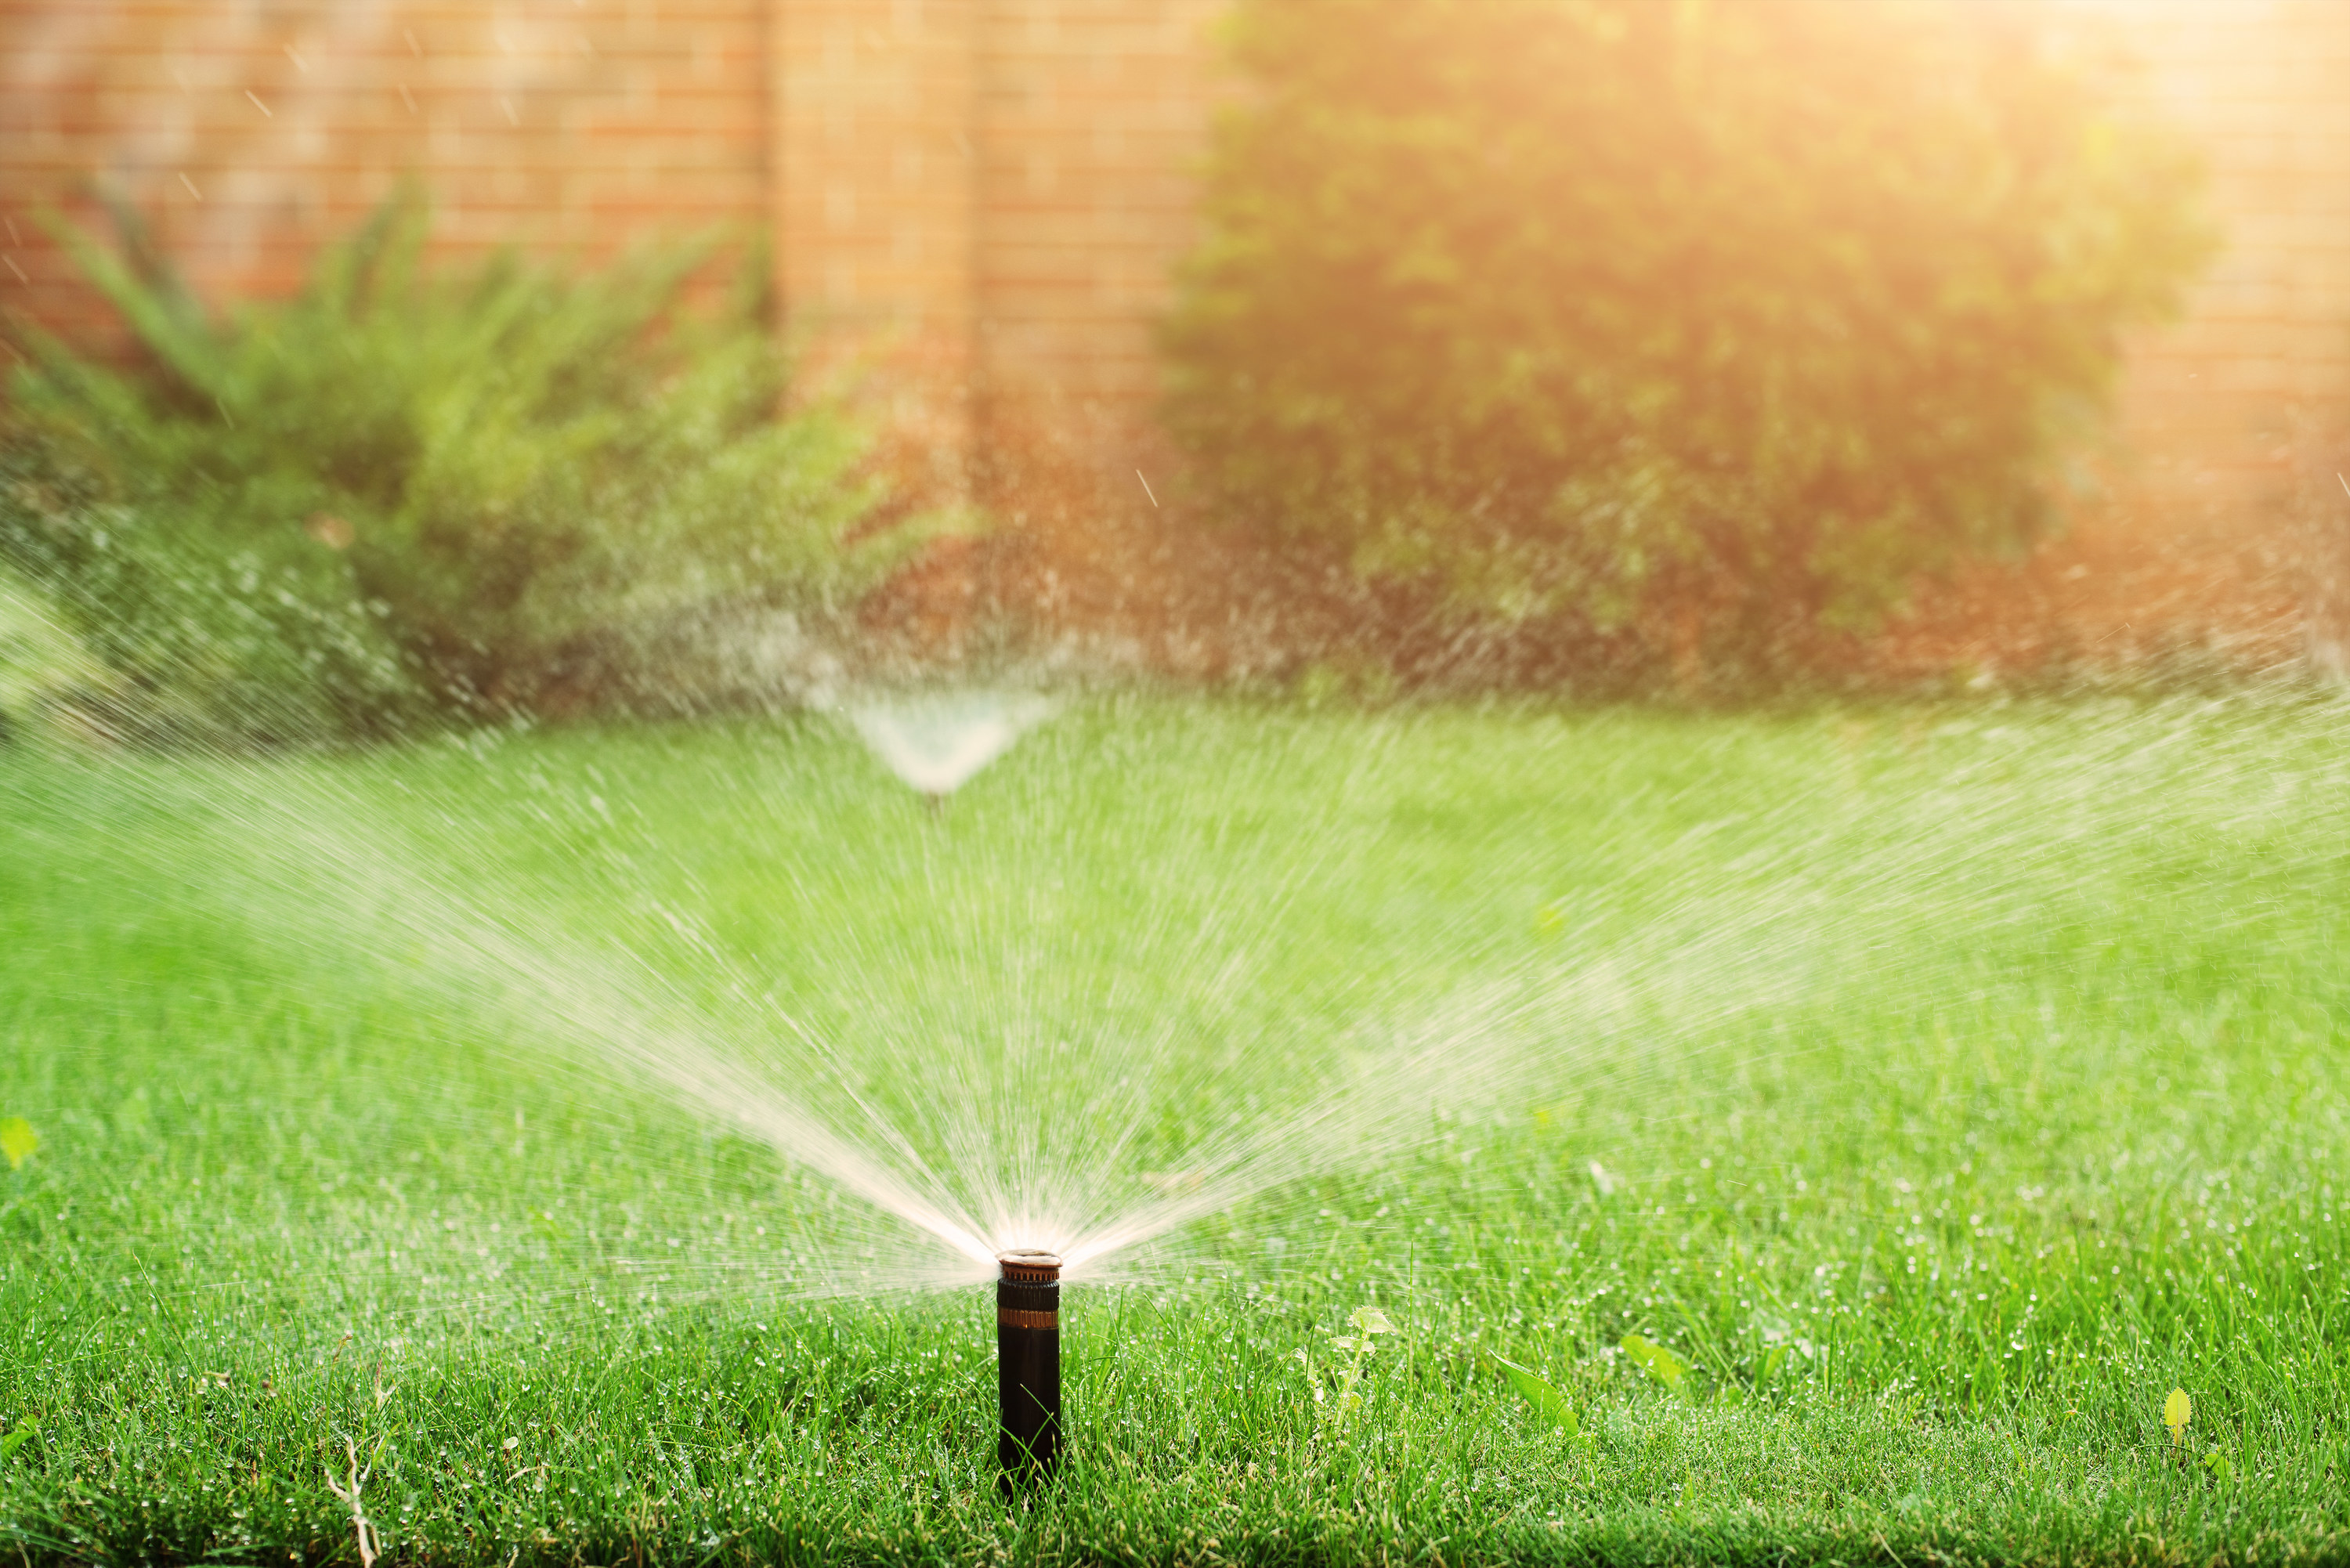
1028	1365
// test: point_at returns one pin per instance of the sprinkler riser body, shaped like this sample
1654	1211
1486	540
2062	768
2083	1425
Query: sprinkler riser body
1028	1366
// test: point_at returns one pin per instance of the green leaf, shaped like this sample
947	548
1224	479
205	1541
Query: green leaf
1371	1320
1662	1364
16	1439
1549	1406
18	1140
404	489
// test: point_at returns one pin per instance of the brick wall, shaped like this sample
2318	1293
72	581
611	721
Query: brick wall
986	197
873	150
980	200
249	130
1091	115
2263	86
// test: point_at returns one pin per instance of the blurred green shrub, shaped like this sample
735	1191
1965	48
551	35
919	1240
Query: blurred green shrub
1706	324
401	494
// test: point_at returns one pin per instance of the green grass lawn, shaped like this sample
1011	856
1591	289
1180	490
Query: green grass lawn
1939	1088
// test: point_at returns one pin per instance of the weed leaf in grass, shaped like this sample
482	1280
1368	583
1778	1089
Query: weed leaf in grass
1663	1365
18	1140
1366	1321
15	1440
2176	1411
1550	1405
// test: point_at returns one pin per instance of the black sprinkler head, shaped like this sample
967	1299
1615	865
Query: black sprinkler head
1028	1365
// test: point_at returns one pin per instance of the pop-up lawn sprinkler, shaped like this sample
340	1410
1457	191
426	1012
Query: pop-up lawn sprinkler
1028	1365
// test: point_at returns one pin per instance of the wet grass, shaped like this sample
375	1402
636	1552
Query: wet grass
1972	1079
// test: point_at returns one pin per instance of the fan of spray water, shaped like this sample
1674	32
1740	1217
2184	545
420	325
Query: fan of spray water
935	741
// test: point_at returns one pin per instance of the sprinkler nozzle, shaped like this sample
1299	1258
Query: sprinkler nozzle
1028	1365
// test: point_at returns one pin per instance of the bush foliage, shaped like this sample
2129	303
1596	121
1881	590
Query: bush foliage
1694	321
401	492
